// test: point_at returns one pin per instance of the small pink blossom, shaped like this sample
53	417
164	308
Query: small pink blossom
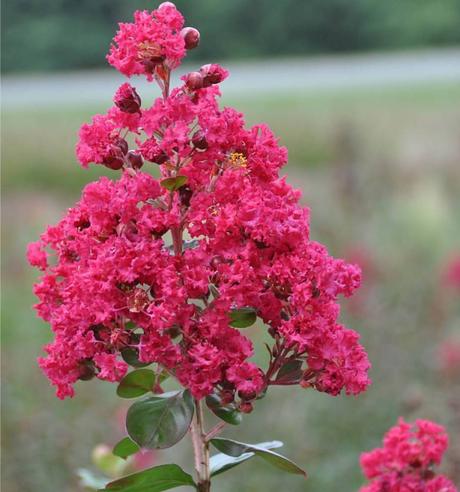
36	256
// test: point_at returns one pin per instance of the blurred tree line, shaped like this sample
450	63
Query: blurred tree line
65	34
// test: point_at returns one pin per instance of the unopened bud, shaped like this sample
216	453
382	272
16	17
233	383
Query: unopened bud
166	4
185	195
199	140
227	397
135	159
115	155
247	395
191	37
127	99
122	144
87	370
194	81
212	74
246	407
114	163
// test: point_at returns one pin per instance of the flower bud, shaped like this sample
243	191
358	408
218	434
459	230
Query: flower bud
246	407
185	195
194	81
127	99
114	163
122	144
166	4
212	74
114	158
87	369
227	397
191	37
135	159
199	140
247	395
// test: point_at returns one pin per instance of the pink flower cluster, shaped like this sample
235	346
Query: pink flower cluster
161	266
405	462
150	44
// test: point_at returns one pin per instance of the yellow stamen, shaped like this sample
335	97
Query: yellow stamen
237	159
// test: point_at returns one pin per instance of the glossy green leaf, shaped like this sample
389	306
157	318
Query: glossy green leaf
243	317
157	479
136	383
221	462
228	414
125	448
236	449
290	373
159	422
131	356
173	184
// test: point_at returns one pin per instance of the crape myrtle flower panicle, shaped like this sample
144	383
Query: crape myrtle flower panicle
159	266
407	459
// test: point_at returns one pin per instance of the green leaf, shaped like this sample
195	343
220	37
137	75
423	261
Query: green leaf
227	414
136	383
173	184
236	449
243	317
157	479
222	462
131	356
290	373
159	422
125	448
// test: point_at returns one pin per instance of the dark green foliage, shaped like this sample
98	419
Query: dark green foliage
64	34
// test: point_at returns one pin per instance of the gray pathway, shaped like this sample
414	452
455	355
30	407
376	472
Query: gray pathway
332	72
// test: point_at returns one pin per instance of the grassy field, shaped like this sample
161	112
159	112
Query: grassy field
380	169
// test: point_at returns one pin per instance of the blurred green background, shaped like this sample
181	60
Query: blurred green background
378	163
42	34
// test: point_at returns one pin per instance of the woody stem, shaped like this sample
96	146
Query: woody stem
200	449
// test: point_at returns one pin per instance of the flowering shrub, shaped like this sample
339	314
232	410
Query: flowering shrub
170	271
405	462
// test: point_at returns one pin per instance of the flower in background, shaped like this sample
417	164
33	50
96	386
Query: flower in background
407	459
451	273
448	355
